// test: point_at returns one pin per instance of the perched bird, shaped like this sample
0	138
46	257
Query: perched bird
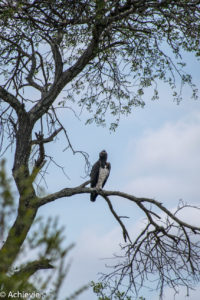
99	174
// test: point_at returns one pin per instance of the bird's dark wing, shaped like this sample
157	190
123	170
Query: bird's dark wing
94	174
109	168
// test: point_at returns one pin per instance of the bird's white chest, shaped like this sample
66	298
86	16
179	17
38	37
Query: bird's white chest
103	173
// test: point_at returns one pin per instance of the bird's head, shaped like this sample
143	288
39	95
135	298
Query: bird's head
103	155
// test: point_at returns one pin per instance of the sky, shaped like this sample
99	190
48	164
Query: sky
154	153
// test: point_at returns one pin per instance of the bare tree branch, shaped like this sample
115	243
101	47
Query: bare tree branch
68	192
10	99
167	245
124	230
47	140
43	105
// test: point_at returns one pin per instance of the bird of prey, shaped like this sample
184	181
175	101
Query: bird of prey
99	174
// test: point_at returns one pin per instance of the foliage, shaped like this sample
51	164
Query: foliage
100	288
109	51
7	208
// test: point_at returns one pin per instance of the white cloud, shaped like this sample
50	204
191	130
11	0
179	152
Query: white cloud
166	161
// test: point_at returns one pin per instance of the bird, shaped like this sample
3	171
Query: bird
99	174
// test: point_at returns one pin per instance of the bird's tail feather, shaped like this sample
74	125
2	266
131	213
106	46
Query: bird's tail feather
93	196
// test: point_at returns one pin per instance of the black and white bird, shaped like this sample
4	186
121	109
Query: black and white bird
99	174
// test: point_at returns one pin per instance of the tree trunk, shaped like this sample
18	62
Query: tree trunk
26	213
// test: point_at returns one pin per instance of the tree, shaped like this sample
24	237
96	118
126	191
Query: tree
102	54
44	242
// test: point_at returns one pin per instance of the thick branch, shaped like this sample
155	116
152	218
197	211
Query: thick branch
39	163
40	160
57	57
17	233
31	268
68	192
11	99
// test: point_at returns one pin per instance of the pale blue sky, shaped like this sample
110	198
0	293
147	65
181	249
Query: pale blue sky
153	153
